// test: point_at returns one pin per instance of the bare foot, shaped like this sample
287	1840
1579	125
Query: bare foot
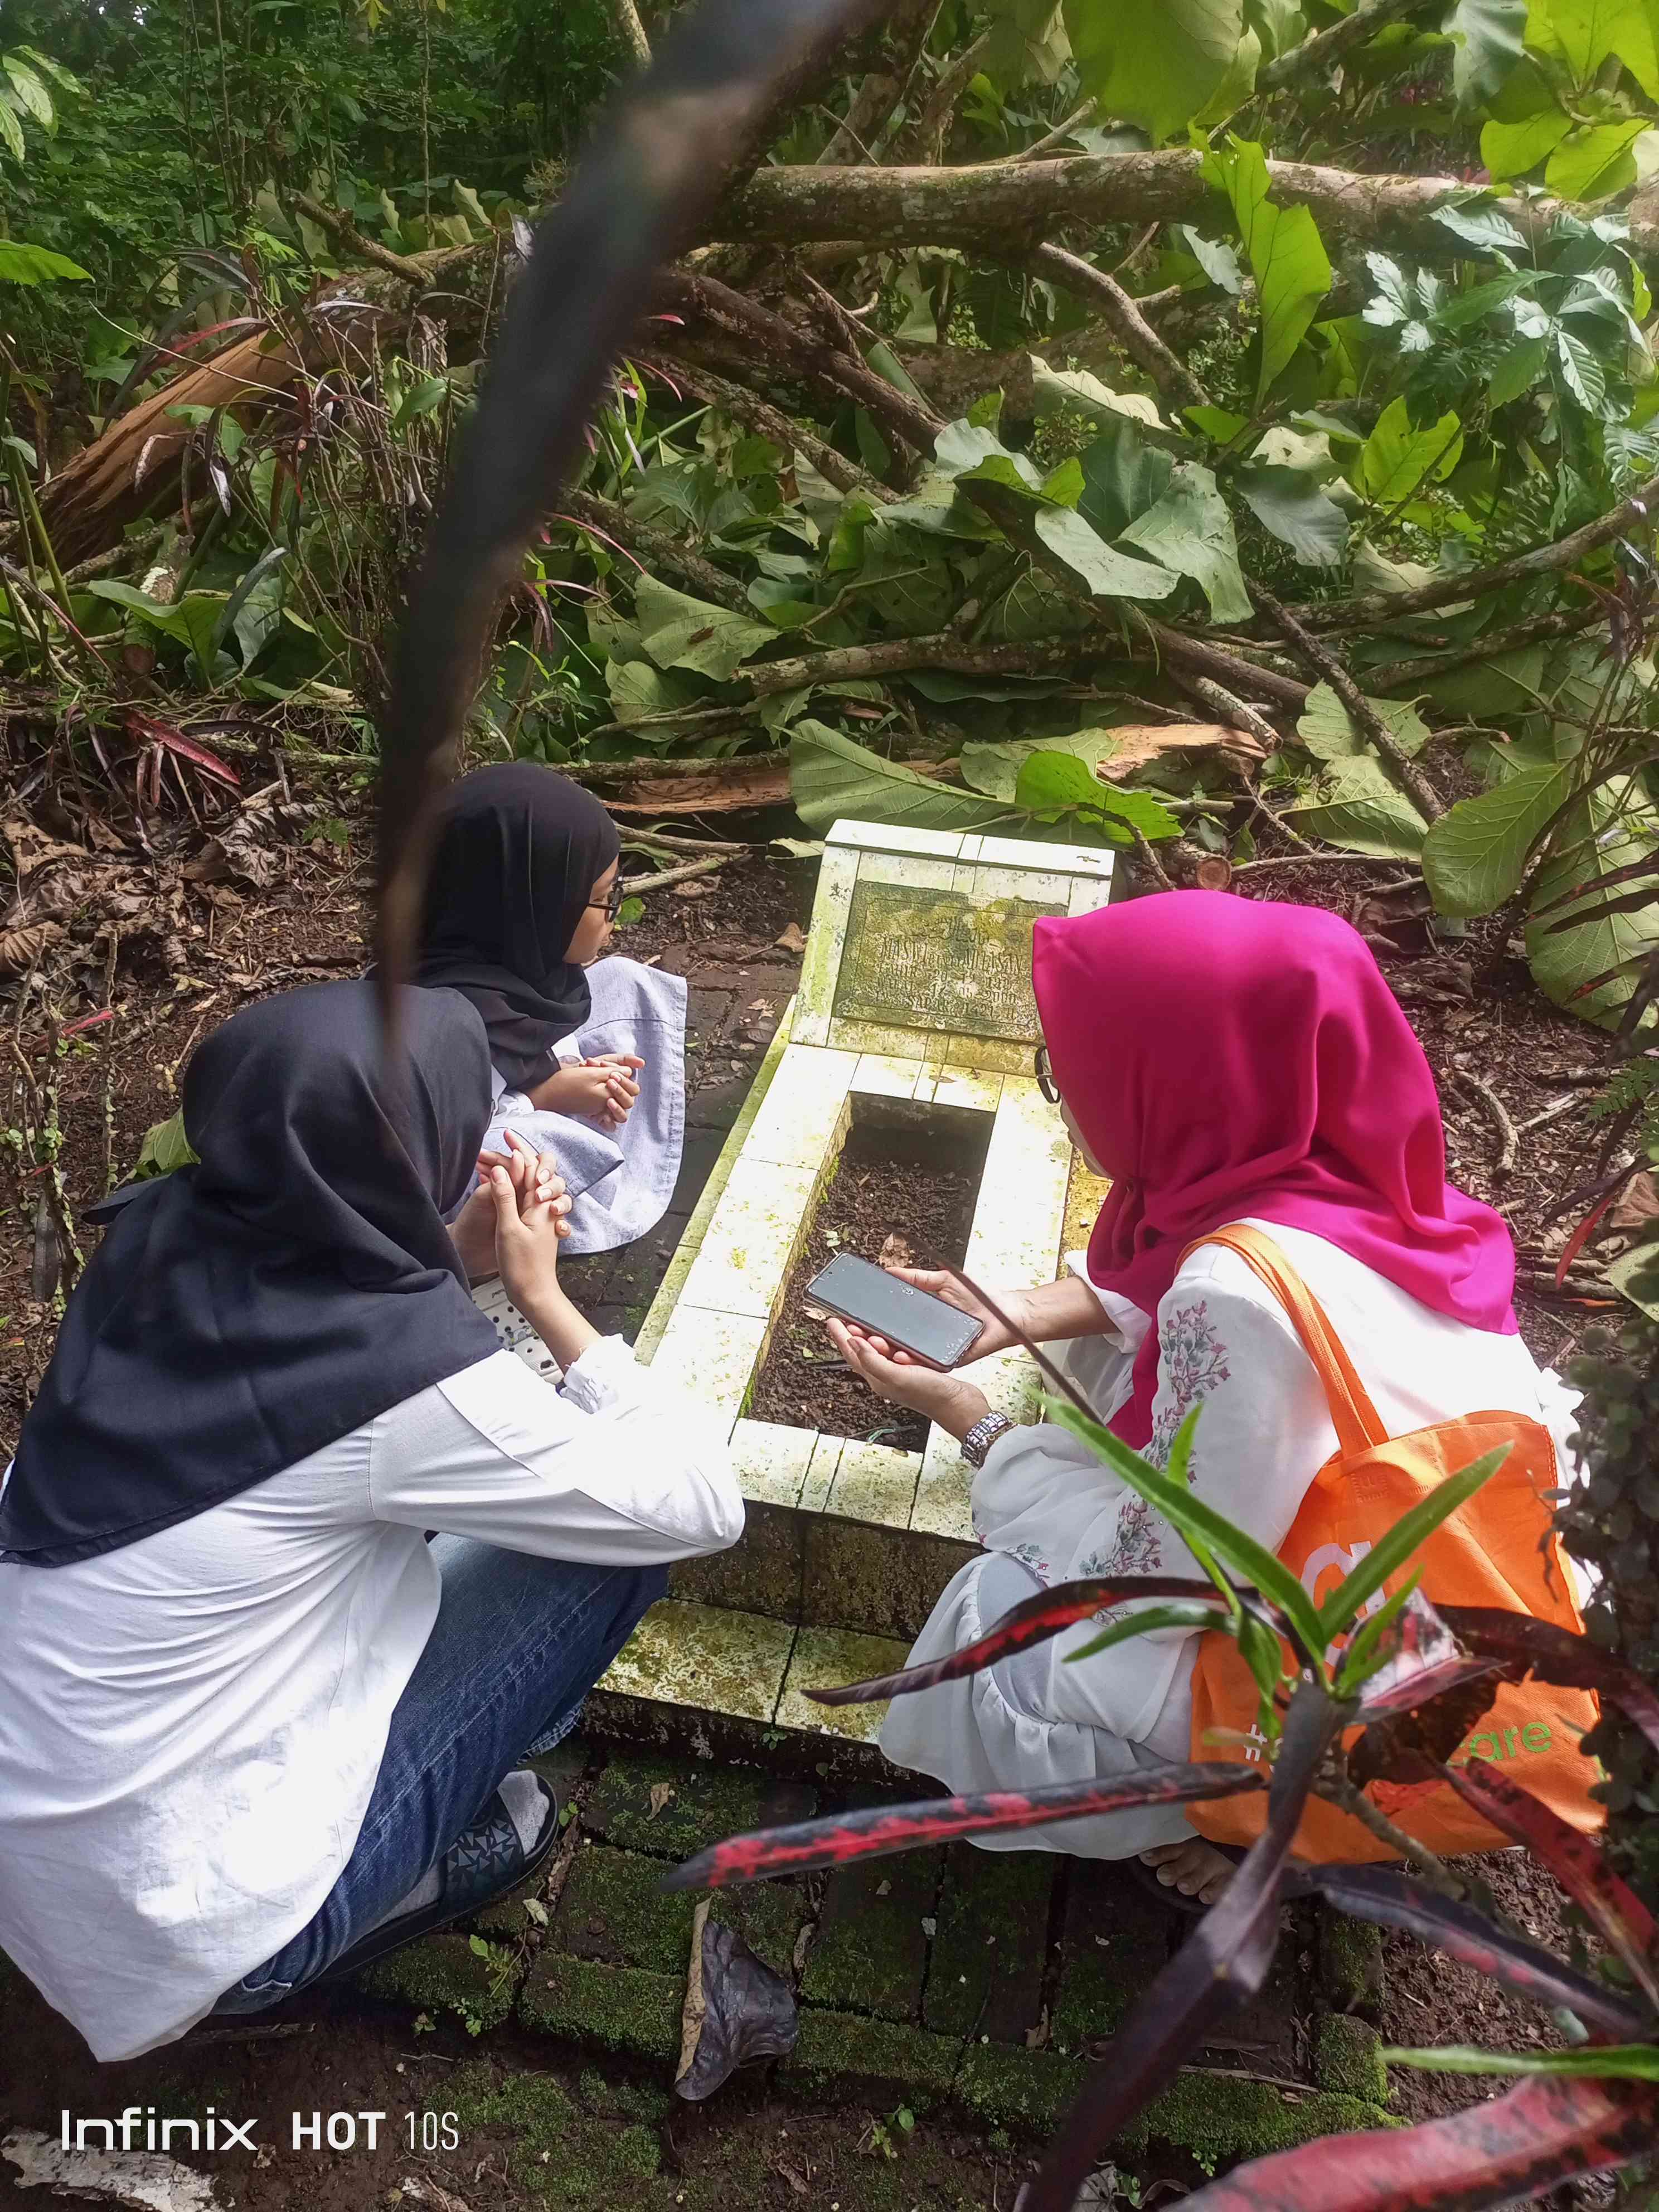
1195	1870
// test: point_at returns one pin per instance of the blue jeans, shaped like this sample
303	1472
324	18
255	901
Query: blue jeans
518	1644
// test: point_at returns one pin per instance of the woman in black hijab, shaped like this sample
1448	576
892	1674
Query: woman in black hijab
255	1728
587	1051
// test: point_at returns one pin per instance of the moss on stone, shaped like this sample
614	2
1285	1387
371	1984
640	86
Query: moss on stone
623	2100
707	1803
870	1951
1220	2122
614	1909
839	2047
506	1919
1022	2088
985	1975
1116	1943
443	1973
621	2007
1348	2057
557	2154
1350	1960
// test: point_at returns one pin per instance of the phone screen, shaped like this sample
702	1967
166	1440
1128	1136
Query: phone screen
857	1291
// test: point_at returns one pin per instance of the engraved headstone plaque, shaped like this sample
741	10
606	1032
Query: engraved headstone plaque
930	959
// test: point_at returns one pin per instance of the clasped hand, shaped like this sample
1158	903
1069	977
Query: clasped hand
512	1224
604	1089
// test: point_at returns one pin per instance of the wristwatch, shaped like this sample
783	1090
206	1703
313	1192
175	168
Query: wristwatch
981	1438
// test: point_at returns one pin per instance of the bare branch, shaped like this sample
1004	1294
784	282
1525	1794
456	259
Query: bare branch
1129	326
1361	712
1326	48
626	17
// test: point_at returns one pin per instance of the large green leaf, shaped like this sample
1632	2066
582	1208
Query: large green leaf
831	779
1327	731
1396	458
1122	477
21	263
1108	573
1635	1275
1594	160
1614	827
1510	149
994	769
1357	807
1292	274
30	90
638	691
1487	34
1585	33
1191	532
1156	66
1053	783
1297	511
11	130
1054	388
681	632
1475	855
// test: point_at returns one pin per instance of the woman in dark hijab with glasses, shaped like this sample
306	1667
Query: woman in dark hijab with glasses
256	1729
587	1051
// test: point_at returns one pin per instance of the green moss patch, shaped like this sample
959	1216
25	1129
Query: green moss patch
1348	2057
842	2047
556	2153
1221	2121
985	1976
1115	1944
614	1908
671	1808
621	2007
443	1973
1350	1960
1030	2089
870	1951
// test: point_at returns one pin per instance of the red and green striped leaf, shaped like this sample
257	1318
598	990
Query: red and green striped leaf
1031	1622
1558	1657
1578	1862
1546	2131
1394	1900
1222	1965
880	1830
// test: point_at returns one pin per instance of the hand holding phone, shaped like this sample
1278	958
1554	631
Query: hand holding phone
896	1310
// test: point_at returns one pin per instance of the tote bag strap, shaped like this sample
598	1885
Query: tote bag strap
1358	1427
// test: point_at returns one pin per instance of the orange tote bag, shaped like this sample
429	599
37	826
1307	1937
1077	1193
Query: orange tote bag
1499	1549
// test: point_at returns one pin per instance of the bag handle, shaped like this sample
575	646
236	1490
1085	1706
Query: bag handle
1358	1426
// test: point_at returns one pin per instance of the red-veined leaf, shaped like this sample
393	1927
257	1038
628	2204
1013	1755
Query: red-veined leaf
878	1830
1424	1722
1580	1236
1556	1656
1032	1621
1546	2131
1394	1900
1222	1964
1421	1688
1578	1862
148	731
1626	902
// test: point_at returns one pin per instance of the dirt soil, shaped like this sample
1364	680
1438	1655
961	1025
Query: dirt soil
907	1199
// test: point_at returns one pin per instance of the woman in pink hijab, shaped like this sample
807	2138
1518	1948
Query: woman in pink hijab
1223	1059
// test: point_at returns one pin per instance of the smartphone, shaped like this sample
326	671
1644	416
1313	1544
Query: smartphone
856	1289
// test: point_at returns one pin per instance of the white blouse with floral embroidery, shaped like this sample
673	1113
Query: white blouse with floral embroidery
1048	1510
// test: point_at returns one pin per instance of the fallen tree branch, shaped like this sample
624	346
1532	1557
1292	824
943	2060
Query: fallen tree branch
1129	326
633	886
1395	674
1363	716
1509	1137
933	125
340	225
1009	209
658	549
783	431
815	361
1637	512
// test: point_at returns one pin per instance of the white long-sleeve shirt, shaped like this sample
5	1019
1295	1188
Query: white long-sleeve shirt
190	1726
1048	1511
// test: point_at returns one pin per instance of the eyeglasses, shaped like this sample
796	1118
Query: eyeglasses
1045	1079
610	905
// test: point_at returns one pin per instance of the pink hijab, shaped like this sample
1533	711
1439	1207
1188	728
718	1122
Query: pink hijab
1226	1057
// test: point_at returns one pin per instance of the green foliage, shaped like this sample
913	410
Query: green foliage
1285	253
1158	67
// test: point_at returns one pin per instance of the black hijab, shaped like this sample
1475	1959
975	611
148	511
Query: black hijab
244	1312
518	854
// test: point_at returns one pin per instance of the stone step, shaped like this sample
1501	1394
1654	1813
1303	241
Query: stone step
914	1012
